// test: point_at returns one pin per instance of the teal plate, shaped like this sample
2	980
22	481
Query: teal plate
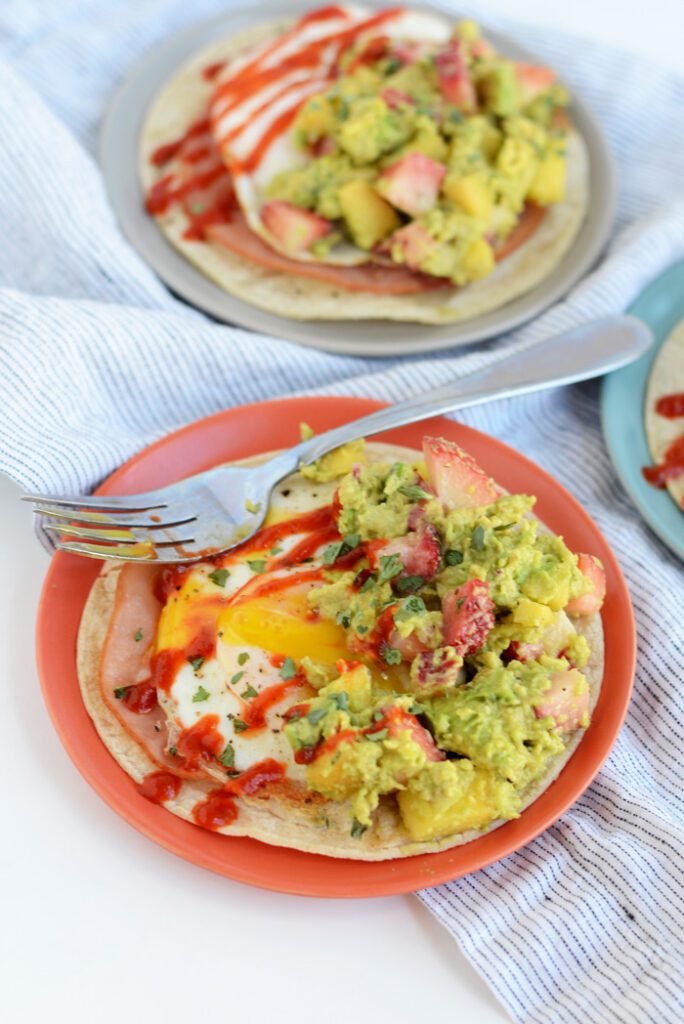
661	306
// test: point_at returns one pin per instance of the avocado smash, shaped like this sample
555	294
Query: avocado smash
426	155
460	616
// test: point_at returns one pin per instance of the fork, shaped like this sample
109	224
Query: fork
214	511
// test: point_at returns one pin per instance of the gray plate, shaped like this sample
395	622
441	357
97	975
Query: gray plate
119	159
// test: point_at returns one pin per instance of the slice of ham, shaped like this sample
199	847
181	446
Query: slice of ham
528	222
237	236
125	661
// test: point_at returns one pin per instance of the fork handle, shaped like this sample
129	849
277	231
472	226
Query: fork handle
590	350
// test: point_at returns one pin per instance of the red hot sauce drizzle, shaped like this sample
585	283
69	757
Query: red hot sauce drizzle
220	809
158	787
671	407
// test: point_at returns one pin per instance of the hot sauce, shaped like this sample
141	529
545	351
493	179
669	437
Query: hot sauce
158	787
671	407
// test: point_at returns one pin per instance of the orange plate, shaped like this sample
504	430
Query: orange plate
255	428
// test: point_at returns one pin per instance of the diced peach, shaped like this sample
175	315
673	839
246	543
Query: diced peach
454	76
412	183
533	79
566	700
589	603
455	475
296	229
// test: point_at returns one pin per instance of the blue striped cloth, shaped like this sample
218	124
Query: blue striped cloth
97	359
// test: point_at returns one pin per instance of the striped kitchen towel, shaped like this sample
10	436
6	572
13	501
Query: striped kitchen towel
97	359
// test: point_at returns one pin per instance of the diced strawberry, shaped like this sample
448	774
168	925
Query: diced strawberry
455	476
411	53
412	183
468	616
533	80
294	228
419	552
589	603
415	243
397	720
522	652
566	700
436	671
395	98
454	76
322	147
386	635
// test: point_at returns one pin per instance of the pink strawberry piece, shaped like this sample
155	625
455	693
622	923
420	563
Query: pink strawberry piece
415	243
397	721
517	651
412	183
419	552
533	80
395	98
454	76
436	671
410	53
589	603
566	700
468	616
294	228
455	476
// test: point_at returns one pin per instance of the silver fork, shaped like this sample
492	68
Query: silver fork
214	511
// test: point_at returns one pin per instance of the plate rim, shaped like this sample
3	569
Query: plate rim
397	338
654	506
345	878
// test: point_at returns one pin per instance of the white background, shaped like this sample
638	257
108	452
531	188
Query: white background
99	923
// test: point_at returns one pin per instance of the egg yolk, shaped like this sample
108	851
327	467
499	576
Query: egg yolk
283	624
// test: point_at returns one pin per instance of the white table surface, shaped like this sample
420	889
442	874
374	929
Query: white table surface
99	921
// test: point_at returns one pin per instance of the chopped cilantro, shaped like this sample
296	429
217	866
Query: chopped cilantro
173	751
342	700
137	635
390	566
249	692
228	757
413	605
409	584
121	691
343	619
341	547
243	657
288	669
196	663
257	564
390	655
201	694
453	557
234	680
357	829
362	630
253	506
367	584
239	725
219	577
197	208
478	538
276	550
414	492
376	736
316	714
